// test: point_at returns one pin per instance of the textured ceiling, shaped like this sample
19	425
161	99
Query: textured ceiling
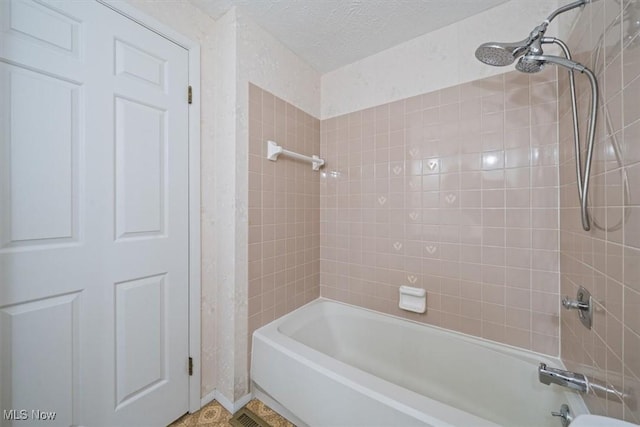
331	33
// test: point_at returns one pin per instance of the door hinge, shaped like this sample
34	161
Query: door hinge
190	95
190	366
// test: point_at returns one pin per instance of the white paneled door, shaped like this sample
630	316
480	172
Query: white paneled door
93	218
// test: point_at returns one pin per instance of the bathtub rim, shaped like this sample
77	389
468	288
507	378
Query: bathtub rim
495	345
412	401
402	399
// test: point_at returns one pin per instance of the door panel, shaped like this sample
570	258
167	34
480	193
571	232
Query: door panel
140	65
44	25
51	359
93	216
140	169
140	337
40	163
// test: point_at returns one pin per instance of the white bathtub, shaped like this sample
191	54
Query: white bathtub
332	364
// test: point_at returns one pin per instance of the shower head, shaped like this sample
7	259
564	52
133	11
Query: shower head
535	63
528	65
501	54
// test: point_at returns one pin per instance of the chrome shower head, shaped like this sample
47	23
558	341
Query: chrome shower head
500	54
528	65
535	63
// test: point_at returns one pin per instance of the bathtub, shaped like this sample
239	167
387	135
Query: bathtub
333	364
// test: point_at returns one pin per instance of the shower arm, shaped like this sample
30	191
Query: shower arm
565	8
573	66
538	33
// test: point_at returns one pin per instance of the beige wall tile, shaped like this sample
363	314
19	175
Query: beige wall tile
605	260
284	210
442	203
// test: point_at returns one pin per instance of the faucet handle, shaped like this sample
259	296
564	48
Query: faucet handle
571	303
582	304
564	414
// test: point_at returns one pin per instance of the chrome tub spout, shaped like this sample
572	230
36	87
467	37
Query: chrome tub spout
567	379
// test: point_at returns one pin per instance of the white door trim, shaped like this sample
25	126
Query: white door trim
194	181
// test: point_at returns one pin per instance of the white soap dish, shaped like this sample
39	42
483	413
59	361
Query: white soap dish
413	299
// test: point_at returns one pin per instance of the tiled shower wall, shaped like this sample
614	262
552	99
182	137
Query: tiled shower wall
605	260
456	192
284	210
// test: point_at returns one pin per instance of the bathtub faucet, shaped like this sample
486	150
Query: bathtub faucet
568	379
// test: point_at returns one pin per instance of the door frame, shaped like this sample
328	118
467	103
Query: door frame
193	49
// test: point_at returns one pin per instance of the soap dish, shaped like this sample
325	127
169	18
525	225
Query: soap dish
413	299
